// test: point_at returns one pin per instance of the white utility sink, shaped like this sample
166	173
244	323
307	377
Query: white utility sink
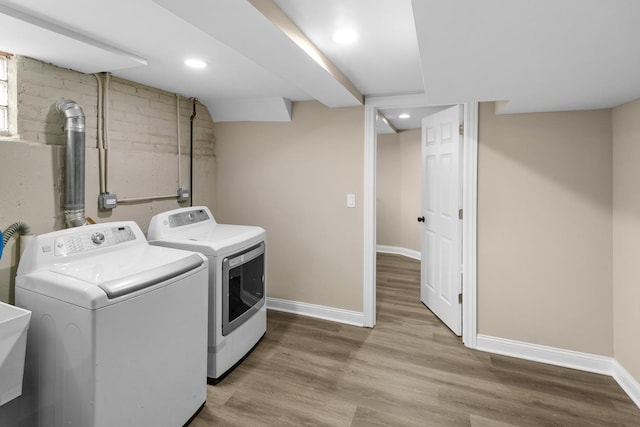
14	323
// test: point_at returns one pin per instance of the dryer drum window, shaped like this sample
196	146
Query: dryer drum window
242	286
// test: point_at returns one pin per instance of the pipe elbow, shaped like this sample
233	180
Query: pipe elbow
73	112
69	108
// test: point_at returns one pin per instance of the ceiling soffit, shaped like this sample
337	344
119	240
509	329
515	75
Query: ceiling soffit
272	41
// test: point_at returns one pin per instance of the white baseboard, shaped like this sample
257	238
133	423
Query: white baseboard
398	251
566	358
522	350
550	355
319	311
627	382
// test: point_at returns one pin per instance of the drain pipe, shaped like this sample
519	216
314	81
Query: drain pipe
17	227
74	165
22	230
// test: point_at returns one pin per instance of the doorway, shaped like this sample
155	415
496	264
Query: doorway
372	106
398	179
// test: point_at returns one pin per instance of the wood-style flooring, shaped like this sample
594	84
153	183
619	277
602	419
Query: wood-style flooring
409	370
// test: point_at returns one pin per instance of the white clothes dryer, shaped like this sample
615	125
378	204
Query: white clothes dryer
118	331
237	293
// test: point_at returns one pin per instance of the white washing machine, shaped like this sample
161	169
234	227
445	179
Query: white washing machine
118	332
237	293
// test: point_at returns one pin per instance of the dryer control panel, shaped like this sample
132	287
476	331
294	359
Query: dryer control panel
192	216
194	220
87	240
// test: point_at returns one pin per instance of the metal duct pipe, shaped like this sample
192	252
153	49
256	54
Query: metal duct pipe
74	164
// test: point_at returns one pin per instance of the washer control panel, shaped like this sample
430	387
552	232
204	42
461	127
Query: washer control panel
84	241
189	217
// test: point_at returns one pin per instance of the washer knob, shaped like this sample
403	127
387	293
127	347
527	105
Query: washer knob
97	238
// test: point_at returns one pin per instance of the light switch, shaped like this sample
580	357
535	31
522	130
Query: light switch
351	200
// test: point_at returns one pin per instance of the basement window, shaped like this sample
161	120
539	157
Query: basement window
4	94
8	97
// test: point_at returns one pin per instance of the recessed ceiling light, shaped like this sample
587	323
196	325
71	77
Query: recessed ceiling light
404	116
345	36
195	63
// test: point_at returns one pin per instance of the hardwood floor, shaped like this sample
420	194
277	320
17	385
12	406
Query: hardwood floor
409	370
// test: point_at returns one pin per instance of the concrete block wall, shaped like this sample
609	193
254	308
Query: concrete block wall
39	85
143	153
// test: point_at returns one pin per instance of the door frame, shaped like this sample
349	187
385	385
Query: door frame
469	206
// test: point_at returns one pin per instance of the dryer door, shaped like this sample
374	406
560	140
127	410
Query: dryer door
243	287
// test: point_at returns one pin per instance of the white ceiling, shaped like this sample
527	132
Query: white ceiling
389	120
542	55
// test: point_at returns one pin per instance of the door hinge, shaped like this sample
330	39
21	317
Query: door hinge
461	129
460	298
460	214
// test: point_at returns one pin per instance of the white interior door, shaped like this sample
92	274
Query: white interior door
441	281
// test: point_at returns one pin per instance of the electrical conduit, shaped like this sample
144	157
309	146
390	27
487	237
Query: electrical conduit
104	145
193	116
101	150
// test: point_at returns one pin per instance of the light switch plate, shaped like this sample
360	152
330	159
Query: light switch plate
351	200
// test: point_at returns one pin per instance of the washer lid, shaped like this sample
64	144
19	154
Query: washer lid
124	272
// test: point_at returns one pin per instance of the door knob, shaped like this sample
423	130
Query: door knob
421	219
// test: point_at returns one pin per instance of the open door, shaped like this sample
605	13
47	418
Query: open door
441	272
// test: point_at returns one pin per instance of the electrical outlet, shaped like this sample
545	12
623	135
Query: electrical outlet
183	195
107	201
